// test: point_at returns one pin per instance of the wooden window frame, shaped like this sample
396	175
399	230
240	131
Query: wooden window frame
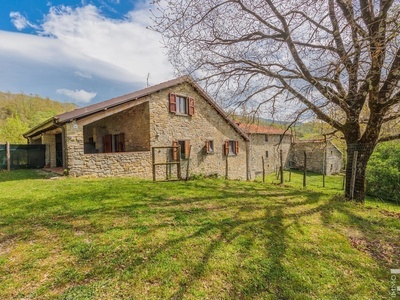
185	149
231	147
209	146
175	106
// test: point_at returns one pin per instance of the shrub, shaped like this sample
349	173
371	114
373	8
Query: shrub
383	172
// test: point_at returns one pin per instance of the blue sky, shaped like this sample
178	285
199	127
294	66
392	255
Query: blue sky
79	51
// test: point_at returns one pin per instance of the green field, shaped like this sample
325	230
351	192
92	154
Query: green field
119	238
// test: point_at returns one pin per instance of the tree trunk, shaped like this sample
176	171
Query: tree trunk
355	174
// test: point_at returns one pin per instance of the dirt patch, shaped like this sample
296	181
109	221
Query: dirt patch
390	214
381	250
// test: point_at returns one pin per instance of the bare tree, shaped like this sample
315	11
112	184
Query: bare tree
339	59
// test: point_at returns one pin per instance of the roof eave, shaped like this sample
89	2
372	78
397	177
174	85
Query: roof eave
44	126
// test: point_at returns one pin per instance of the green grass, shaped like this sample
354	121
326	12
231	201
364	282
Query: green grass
119	238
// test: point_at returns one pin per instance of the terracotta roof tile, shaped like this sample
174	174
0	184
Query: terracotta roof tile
261	129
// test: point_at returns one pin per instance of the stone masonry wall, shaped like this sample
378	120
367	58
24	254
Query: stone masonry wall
315	157
259	147
205	124
164	127
136	164
49	139
133	122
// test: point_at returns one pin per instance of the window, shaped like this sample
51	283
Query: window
266	154
181	105
114	143
209	146
184	149
231	147
266	137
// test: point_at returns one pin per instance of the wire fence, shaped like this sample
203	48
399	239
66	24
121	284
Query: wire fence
13	156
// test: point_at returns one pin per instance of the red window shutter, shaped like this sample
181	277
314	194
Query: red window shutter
236	147
207	146
175	150
187	149
226	148
172	103
191	107
107	143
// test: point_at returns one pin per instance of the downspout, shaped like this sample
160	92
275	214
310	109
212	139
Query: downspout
64	152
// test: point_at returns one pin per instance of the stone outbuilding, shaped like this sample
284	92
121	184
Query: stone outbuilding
321	156
117	136
266	143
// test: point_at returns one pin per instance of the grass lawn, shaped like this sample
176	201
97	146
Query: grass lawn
119	238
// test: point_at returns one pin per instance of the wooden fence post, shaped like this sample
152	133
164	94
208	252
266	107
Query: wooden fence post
263	169
226	167
8	156
281	161
153	163
305	170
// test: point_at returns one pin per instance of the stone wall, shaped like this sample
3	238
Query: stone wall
205	124
334	160
259	147
133	122
315	157
151	124
49	139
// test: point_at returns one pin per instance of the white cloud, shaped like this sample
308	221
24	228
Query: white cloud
126	44
18	20
90	47
83	74
79	96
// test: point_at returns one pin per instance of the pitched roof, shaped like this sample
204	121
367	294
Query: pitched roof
95	108
261	129
317	143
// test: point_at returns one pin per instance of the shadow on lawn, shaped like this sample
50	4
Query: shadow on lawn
250	223
24	174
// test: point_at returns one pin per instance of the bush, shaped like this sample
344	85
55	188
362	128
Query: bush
383	172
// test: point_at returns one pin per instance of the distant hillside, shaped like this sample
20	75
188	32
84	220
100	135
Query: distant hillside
19	113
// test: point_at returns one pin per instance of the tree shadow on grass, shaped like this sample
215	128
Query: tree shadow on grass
210	239
23	174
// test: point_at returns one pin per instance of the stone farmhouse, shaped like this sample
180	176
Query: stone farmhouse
266	143
321	157
173	129
116	137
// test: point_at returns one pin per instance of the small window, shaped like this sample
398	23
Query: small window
181	105
231	147
266	137
184	149
209	147
266	154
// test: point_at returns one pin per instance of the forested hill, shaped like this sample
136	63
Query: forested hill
19	113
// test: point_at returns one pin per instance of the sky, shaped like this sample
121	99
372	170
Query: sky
80	51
